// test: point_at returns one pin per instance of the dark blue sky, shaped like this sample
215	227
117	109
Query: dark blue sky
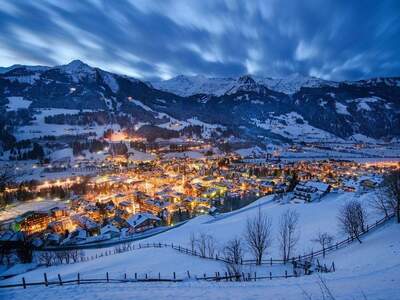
147	39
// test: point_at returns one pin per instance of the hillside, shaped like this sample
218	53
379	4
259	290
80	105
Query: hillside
357	265
295	108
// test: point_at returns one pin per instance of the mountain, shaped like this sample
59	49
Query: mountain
251	108
191	85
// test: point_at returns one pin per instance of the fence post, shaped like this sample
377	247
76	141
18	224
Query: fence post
59	279
159	276
46	283
79	279
125	276
255	276
107	277
145	276
285	273
23	282
135	276
270	275
188	274
174	276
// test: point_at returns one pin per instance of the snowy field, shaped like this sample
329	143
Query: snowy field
39	128
367	271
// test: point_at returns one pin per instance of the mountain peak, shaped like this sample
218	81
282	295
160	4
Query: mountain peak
246	79
76	66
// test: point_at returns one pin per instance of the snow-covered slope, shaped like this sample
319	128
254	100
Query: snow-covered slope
363	271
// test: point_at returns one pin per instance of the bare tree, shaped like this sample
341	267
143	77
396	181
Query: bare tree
392	186
233	254
289	233
192	241
47	258
324	239
201	244
383	203
352	218
205	244
258	235
75	255
211	246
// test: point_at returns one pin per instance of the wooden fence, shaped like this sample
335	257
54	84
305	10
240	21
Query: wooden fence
217	276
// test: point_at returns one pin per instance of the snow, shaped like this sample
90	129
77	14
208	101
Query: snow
62	154
293	126
252	151
342	109
39	128
111	82
13	210
363	103
190	85
15	103
369	270
184	154
140	156
363	106
77	70
25	78
362	138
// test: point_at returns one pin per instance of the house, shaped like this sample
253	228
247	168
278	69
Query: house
75	237
111	230
310	191
213	211
142	221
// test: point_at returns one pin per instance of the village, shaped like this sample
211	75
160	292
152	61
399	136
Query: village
122	203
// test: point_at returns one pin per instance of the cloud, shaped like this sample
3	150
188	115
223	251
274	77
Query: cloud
334	39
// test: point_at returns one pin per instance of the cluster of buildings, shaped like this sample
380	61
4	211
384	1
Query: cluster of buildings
121	203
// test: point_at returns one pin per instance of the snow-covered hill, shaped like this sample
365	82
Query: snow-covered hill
369	269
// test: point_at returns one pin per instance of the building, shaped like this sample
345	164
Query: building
310	191
142	221
110	230
33	221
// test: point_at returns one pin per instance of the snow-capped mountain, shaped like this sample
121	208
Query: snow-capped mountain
192	85
248	107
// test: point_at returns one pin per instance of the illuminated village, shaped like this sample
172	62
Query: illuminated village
124	199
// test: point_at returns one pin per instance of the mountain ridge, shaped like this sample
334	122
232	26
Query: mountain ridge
245	106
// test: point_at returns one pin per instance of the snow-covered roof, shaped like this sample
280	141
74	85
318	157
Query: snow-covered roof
109	228
139	218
